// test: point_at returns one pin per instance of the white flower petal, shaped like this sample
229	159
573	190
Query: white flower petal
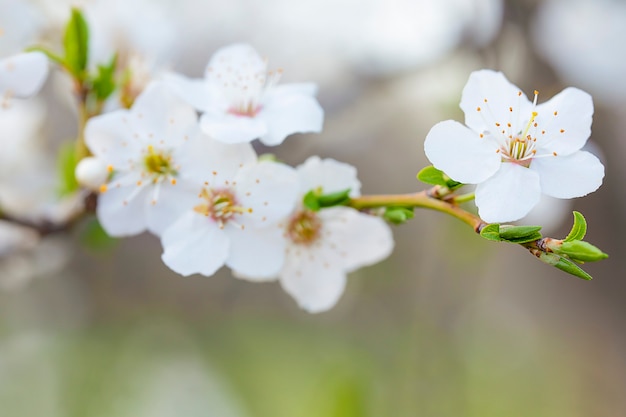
566	120
256	254
160	117
328	174
361	239
196	92
194	245
208	161
315	278
288	114
22	75
170	204
460	153
307	89
231	128
270	189
122	211
109	137
569	176
501	96
231	62
508	195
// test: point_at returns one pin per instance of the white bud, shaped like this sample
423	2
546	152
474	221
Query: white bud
91	173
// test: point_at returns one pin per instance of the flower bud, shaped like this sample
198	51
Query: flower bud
91	173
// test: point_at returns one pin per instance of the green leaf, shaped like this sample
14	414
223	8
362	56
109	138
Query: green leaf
93	236
451	184
310	201
66	167
76	44
491	232
579	229
398	215
51	55
564	264
334	199
520	234
314	200
580	251
433	176
104	83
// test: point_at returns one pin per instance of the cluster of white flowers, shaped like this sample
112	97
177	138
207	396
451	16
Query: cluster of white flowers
198	184
179	164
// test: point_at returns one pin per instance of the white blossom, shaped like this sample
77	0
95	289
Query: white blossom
19	23
234	221
28	181
21	76
241	102
322	247
514	149
148	150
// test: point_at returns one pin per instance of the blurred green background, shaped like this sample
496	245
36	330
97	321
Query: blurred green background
450	325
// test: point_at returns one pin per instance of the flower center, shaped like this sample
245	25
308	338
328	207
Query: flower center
521	149
245	94
221	205
159	163
304	228
515	144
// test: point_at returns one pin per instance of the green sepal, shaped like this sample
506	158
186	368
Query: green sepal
580	251
491	232
76	44
579	229
94	237
104	83
520	234
314	200
433	176
398	215
66	167
564	264
310	201
334	199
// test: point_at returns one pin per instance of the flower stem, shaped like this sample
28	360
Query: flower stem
419	200
83	115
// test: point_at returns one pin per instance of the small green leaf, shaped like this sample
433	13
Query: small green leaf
579	229
491	232
398	215
104	83
51	55
564	264
310	201
66	167
580	251
451	184
334	199
433	176
76	43
520	234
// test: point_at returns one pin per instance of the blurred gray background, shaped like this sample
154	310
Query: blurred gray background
449	325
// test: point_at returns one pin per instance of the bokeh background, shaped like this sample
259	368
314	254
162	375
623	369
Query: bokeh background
450	325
